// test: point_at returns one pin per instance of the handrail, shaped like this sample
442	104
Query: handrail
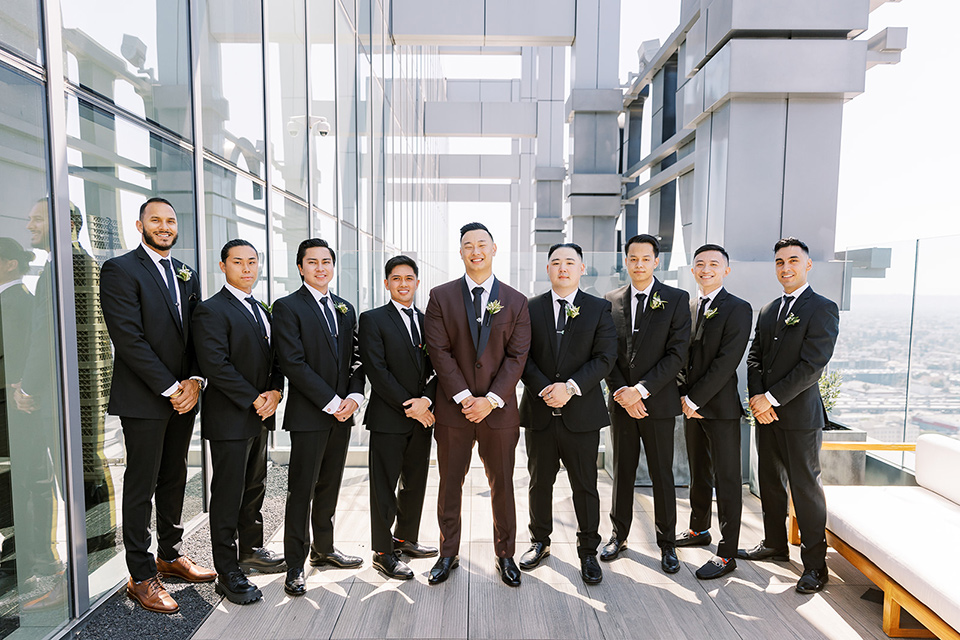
869	446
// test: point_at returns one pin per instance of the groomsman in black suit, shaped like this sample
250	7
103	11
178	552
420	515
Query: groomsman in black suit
148	299
792	345
315	334
232	335
573	346
403	388
711	404
653	326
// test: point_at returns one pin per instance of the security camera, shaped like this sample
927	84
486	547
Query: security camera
323	127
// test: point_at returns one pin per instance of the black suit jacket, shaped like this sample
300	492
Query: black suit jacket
310	362
716	349
787	360
586	354
397	370
657	354
151	351
239	365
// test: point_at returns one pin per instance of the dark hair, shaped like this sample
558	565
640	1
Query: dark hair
239	242
566	245
791	242
10	249
310	243
712	247
143	207
474	226
76	218
640	239
396	261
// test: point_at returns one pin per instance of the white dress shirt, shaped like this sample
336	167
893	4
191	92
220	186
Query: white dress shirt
796	295
242	296
633	322
484	299
406	322
12	283
556	310
710	298
318	295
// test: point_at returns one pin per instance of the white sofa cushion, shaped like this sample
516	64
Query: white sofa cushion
893	527
938	465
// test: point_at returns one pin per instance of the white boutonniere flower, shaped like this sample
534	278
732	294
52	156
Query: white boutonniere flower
656	302
341	307
572	311
710	313
266	307
791	320
494	307
184	273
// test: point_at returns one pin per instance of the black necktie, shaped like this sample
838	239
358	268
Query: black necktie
641	300
477	311
256	314
171	285
328	313
703	306
784	309
561	320
413	328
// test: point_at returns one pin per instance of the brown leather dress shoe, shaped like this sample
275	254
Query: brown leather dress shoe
185	569
151	595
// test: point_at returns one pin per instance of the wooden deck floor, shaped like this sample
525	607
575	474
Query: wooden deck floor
635	600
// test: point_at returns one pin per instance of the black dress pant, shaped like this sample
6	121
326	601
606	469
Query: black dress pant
578	451
156	468
393	458
792	455
656	435
713	449
250	524
316	469
229	460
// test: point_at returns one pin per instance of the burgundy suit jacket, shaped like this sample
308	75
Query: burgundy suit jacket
496	366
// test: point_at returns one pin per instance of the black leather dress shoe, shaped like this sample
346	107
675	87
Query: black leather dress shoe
716	567
763	552
693	539
813	580
509	572
235	587
612	549
391	566
441	570
414	549
590	570
262	559
295	584
534	555
669	561
335	559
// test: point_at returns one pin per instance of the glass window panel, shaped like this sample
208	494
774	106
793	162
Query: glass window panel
115	165
347	284
20	28
231	59
350	6
289	230
365	167
33	525
323	93
233	208
325	226
346	119
133	53
289	126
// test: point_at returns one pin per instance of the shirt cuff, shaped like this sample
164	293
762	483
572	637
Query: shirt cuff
172	389
690	403
498	403
463	395
576	387
772	400
333	405
356	397
201	380
643	390
428	400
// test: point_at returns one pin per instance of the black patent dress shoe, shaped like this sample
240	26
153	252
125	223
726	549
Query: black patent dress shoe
414	549
669	561
441	570
391	566
235	587
335	559
716	567
295	584
534	555
612	549
813	580
590	570
262	559
763	552
691	538
509	572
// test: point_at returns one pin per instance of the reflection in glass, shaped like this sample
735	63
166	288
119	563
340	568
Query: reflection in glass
287	93
20	28
231	59
323	94
33	572
364	144
133	54
346	119
289	230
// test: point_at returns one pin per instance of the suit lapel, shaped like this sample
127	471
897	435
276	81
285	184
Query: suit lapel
311	302
344	332
402	330
151	268
644	320
246	312
717	301
546	311
625	312
780	328
471	319
565	339
487	318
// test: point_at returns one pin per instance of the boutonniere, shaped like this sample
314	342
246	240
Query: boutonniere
184	273
267	307
791	320
423	347
572	311
494	307
341	307
710	313
656	302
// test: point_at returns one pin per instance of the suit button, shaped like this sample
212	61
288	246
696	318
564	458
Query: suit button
775	339
558	376
633	365
479	365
